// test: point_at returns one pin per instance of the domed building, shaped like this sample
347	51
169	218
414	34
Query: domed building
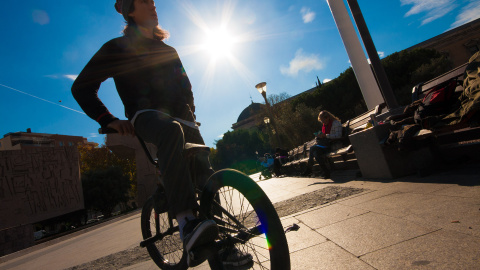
249	117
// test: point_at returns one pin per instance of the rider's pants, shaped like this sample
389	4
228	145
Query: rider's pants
170	136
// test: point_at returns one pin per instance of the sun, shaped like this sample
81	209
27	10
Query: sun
219	43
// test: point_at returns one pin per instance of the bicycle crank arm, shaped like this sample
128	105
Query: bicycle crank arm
151	240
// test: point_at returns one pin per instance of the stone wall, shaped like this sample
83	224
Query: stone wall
38	184
15	239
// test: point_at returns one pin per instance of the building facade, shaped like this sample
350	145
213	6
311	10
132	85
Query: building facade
25	140
39	180
36	184
458	44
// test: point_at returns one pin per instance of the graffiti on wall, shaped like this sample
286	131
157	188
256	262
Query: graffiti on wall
38	184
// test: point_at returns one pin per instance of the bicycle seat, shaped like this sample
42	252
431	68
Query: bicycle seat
193	148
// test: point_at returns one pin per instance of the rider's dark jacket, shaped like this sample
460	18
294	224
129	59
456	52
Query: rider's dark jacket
148	74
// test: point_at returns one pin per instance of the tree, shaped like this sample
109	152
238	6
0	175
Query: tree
103	189
101	158
294	125
406	69
237	150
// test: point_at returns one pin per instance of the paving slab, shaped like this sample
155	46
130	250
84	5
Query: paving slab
329	214
147	265
326	256
395	204
366	196
367	184
303	238
443	249
453	213
460	191
418	188
369	232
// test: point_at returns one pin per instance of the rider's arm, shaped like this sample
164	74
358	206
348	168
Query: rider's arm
86	86
185	84
123	127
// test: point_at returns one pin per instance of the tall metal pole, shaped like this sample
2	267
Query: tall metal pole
364	74
275	129
378	70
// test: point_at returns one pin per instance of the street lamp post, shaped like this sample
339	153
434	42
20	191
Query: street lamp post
262	89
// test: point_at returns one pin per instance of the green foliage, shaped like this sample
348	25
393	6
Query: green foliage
341	96
237	150
406	69
295	126
103	189
101	158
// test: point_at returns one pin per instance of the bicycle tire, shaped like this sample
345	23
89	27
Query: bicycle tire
251	209
167	252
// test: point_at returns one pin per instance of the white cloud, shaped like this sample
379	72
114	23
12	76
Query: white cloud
302	62
468	13
40	17
70	77
434	9
307	15
326	80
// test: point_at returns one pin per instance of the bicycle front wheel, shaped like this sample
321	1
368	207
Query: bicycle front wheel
165	246
246	218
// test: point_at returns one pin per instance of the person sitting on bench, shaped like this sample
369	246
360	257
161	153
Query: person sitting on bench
331	129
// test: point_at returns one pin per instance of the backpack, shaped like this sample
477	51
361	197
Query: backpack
441	96
437	101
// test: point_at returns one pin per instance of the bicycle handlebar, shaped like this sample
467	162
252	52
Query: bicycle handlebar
106	130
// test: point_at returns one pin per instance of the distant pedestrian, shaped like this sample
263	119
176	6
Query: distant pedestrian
331	129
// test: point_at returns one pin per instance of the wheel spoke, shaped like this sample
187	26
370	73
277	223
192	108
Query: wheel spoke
232	208
168	250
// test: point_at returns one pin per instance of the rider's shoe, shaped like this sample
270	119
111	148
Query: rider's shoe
198	233
235	257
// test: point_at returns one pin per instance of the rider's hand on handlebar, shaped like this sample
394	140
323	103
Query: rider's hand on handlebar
124	127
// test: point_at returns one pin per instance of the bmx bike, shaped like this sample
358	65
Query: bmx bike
244	214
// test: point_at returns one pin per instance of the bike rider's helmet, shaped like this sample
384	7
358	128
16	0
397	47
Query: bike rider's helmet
123	7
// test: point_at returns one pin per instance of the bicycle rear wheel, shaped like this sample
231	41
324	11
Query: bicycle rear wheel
246	218
166	247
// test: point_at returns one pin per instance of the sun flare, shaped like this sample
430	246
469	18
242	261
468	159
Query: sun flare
219	43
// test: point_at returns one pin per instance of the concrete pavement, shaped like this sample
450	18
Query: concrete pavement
406	223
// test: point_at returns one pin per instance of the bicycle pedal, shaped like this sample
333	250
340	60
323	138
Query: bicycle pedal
202	253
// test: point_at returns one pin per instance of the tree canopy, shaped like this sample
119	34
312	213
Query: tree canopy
95	165
103	189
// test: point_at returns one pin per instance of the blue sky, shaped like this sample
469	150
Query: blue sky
46	43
